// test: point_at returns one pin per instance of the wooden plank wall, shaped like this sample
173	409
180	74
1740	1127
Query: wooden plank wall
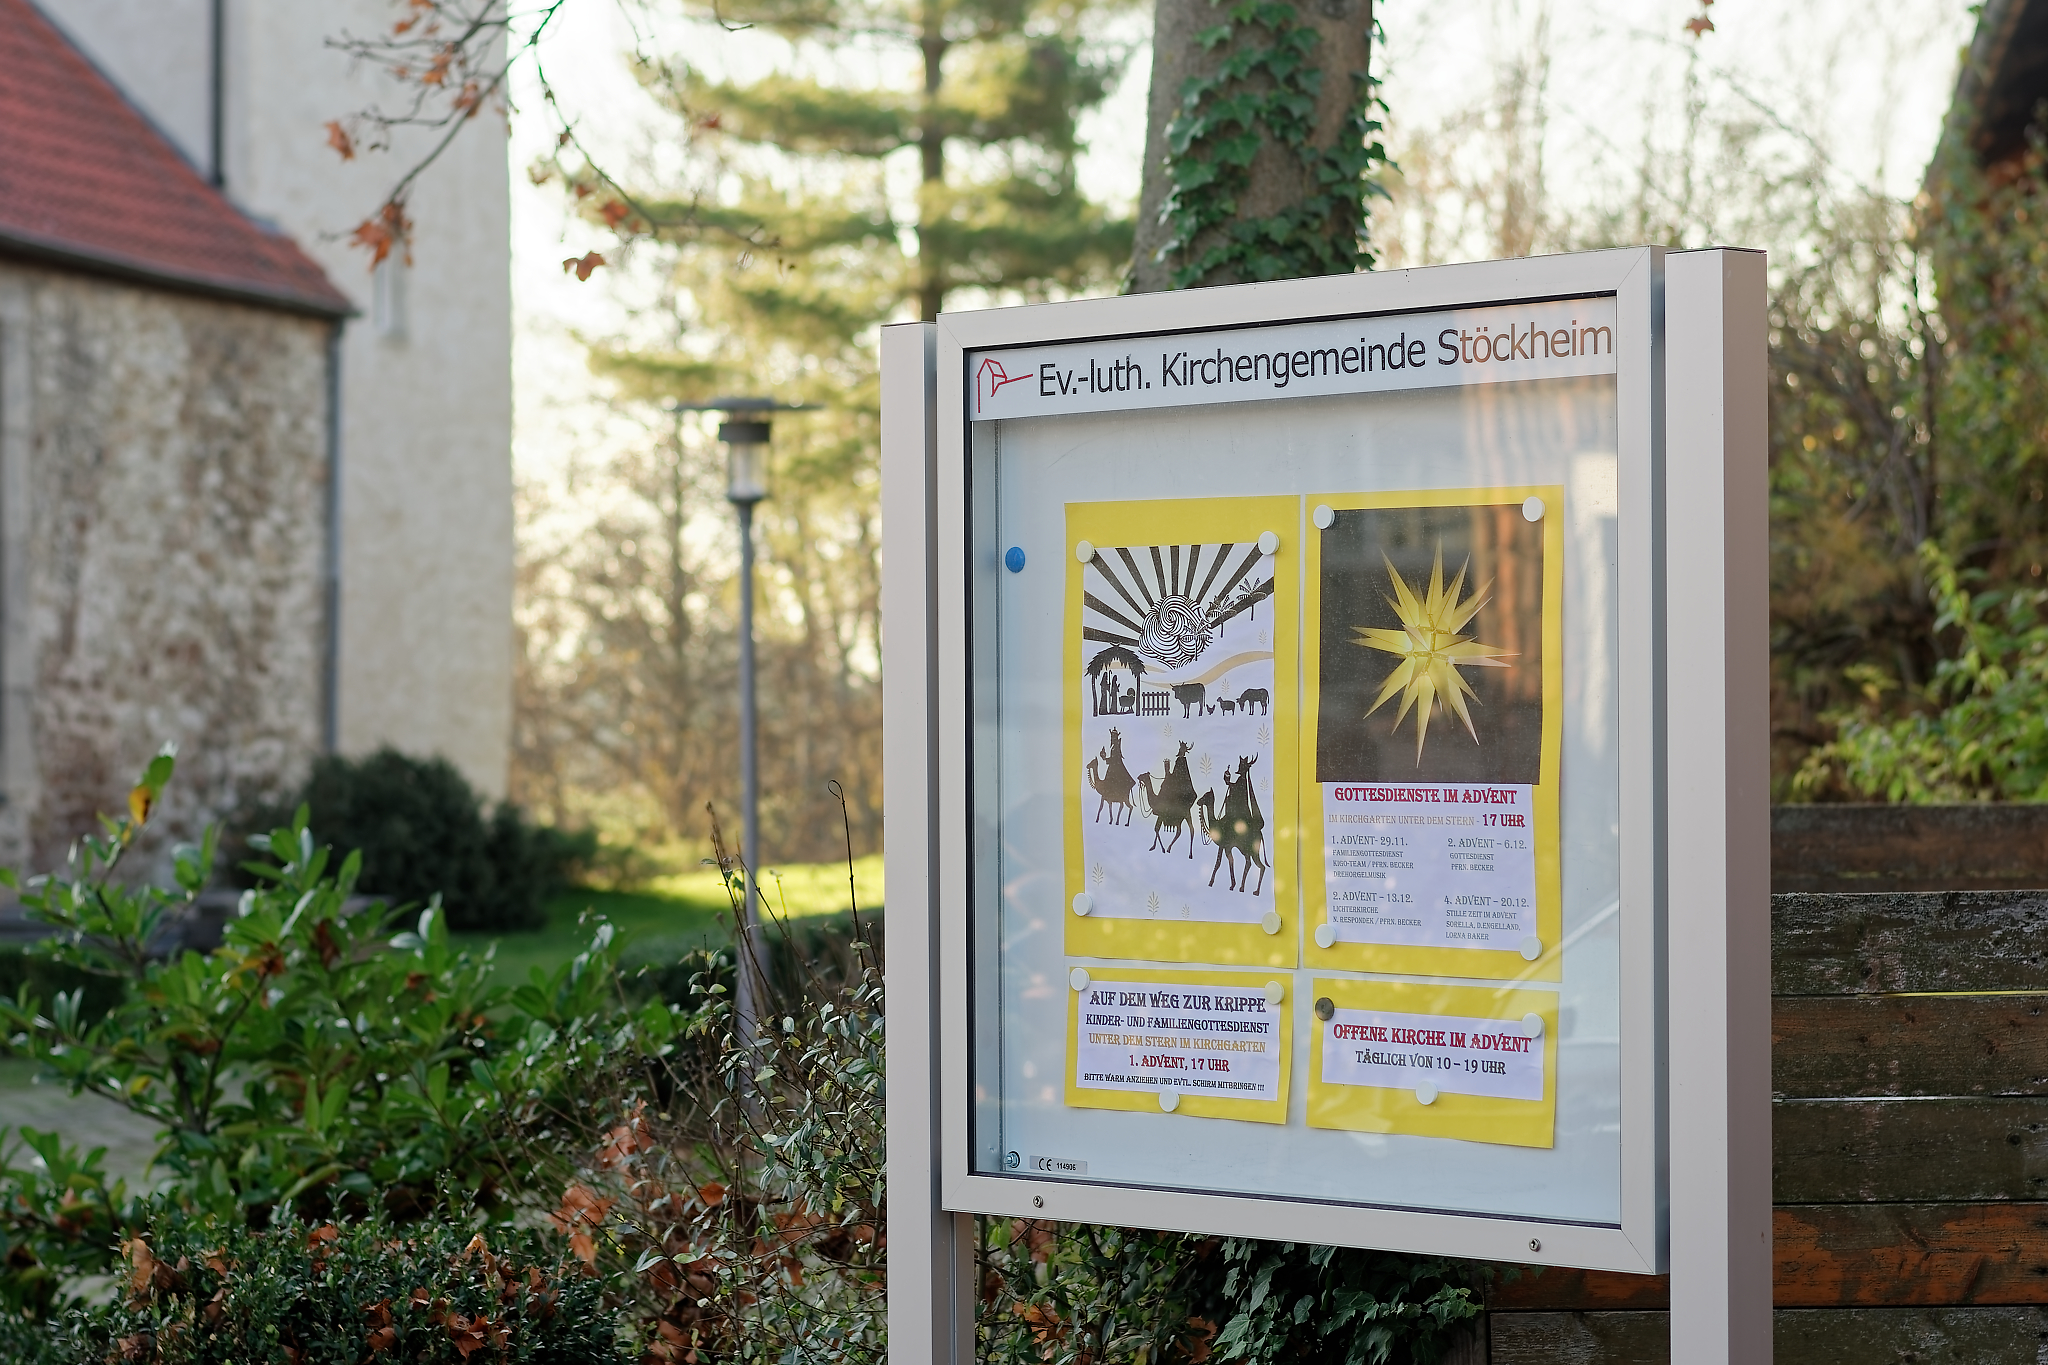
1909	848
1910	1064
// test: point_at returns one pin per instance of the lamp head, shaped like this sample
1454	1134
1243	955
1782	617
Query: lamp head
746	460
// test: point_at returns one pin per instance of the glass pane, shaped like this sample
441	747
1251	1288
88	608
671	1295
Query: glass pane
1299	855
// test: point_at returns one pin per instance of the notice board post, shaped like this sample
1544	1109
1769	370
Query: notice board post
931	1250
1718	667
1323	743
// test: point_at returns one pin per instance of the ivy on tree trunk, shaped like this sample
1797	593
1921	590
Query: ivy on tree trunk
1260	143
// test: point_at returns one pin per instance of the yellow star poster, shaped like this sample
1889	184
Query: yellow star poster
1432	652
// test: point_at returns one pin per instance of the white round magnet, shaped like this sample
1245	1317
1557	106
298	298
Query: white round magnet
1532	509
1169	1100
1270	921
1083	551
1078	978
1532	1025
1083	902
1275	992
1325	936
1269	543
1532	948
1323	516
1425	1092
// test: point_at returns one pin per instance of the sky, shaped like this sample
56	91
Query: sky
1874	93
1819	77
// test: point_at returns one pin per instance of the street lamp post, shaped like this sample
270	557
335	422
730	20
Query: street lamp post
744	433
746	483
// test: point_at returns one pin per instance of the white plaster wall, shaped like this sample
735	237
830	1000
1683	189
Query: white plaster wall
426	496
426	482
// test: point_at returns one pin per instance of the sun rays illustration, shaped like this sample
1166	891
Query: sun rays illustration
1431	649
1171	613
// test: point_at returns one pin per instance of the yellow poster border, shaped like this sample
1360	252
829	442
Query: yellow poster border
1188	1105
1469	1118
1481	963
1192	521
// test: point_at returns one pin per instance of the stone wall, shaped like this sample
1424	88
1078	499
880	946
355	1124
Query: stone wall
163	509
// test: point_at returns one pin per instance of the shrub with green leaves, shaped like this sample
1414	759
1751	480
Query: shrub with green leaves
1275	1302
327	1056
1073	1292
422	830
197	1293
1977	731
732	1190
26	1341
60	1217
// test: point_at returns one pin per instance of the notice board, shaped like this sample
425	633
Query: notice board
1297	786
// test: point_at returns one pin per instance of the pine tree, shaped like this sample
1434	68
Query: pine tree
991	107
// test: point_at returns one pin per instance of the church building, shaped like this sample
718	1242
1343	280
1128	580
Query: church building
255	498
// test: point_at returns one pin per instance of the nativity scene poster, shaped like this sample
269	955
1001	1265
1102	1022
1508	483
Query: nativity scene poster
1180	668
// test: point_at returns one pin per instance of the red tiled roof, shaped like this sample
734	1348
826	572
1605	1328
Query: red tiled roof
85	180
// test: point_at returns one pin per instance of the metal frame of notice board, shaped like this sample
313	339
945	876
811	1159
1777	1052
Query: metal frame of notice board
1689	375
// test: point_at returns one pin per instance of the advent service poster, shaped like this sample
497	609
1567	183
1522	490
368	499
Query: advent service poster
1316	732
1434	723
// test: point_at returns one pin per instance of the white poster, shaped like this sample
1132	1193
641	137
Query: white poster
1451	866
1192	1038
1433	1054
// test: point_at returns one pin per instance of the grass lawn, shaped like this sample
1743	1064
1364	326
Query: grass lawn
674	914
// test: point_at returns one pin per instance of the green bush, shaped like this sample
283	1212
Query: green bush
1080	1291
59	1220
1977	731
325	1057
422	829
1314	1305
732	1191
24	1341
197	1293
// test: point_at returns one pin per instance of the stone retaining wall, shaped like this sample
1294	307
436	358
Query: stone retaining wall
163	509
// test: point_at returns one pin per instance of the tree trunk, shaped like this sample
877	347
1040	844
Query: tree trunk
1279	177
931	139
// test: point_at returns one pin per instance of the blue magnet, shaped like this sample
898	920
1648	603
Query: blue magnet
1014	560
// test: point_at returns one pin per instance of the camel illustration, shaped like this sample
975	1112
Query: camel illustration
1188	695
1113	784
1173	803
1241	828
1255	696
1211	827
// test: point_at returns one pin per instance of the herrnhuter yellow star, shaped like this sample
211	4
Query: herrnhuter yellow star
1430	649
